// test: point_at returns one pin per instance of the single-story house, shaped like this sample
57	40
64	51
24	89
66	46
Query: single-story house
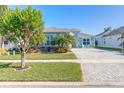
82	39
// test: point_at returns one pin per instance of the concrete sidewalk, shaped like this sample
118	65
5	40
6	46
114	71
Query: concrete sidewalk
73	60
68	60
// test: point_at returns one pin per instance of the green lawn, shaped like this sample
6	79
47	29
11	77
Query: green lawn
41	72
41	56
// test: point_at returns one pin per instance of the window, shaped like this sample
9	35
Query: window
52	42
51	37
86	41
104	41
5	42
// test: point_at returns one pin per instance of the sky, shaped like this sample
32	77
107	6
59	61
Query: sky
89	19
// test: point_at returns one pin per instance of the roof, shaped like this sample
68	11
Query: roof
117	31
60	30
113	32
84	35
105	33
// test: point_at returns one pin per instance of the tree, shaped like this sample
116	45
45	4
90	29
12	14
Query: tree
24	28
122	41
3	12
64	40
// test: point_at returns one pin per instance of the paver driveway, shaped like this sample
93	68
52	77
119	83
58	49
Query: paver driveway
101	65
95	54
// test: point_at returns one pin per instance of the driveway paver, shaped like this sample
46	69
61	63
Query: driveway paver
95	54
101	66
104	72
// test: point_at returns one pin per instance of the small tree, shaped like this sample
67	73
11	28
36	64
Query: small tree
122	41
24	28
64	40
4	10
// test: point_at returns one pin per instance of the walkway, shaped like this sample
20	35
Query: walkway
68	60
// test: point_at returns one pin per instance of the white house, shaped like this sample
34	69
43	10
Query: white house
109	38
6	44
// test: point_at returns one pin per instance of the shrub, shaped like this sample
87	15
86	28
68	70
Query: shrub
33	50
62	50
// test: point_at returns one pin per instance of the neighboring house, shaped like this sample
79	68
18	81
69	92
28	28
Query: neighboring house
6	44
82	39
109	38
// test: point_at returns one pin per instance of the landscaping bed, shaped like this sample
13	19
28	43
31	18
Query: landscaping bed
40	56
41	72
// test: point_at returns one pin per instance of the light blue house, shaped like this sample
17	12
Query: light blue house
86	40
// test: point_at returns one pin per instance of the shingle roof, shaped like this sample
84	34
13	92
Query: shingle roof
105	33
113	32
117	31
60	30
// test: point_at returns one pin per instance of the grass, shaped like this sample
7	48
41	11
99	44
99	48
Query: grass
41	72
40	56
110	49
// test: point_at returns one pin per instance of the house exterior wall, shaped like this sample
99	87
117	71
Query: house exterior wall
109	41
51	35
6	44
78	42
9	45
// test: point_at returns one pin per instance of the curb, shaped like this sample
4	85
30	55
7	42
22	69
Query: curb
61	84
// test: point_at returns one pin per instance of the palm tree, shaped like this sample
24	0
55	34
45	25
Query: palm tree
65	40
122	41
70	39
